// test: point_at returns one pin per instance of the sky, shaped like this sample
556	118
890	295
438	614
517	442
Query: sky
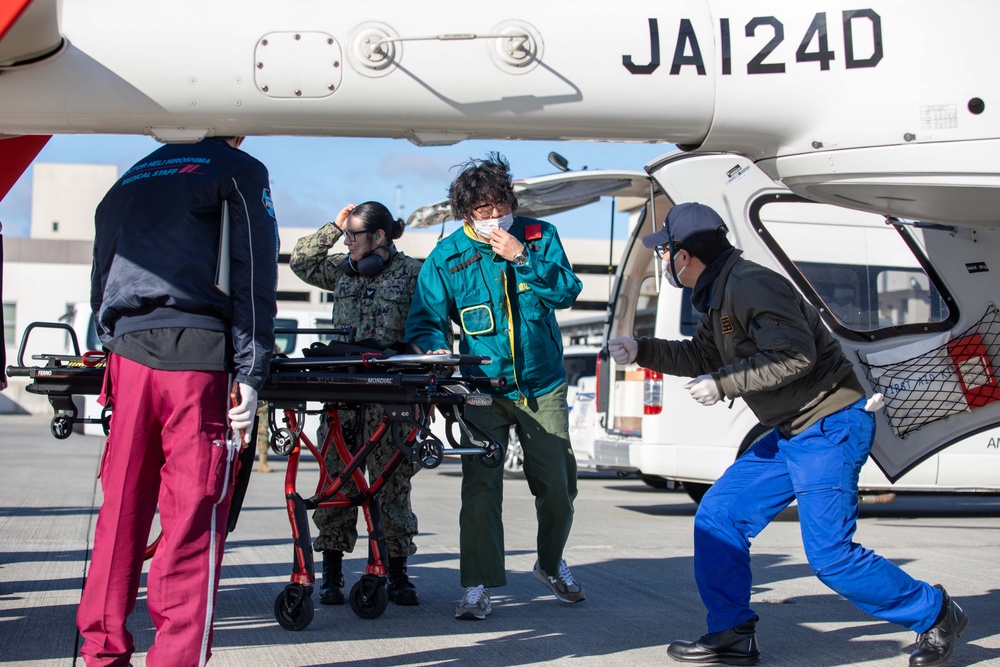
312	178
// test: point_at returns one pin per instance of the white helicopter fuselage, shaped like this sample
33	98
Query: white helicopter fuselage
858	104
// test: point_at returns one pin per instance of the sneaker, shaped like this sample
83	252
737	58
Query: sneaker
475	604
563	587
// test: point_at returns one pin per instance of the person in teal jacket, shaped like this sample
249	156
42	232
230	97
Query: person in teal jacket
500	278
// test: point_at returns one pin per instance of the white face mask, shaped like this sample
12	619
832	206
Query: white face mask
484	227
669	276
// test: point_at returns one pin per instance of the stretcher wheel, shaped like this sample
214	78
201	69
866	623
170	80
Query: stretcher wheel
493	455
293	608
61	427
106	420
282	442
430	453
369	598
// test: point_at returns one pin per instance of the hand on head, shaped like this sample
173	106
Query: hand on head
345	213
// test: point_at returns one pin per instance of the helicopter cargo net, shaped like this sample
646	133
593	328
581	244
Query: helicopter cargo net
923	383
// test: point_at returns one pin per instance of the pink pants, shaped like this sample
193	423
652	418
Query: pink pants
167	447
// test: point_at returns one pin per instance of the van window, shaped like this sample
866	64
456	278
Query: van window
9	322
856	267
645	317
326	324
285	342
645	309
93	342
579	366
689	316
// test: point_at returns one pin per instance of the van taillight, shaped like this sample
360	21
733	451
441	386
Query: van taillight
652	393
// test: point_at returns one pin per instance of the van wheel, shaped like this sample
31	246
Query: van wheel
696	491
755	434
513	462
655	481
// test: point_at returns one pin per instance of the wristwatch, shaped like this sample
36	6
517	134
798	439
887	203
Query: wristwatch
521	258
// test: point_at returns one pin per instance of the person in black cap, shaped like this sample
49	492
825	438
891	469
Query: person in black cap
759	340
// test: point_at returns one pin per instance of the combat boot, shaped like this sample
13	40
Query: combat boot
401	589
331	591
934	647
735	646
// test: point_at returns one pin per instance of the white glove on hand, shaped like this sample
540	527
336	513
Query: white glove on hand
623	350
241	417
704	389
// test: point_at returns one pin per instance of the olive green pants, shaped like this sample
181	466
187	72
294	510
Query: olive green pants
550	468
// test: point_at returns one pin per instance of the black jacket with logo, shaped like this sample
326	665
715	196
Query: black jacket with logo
764	343
156	251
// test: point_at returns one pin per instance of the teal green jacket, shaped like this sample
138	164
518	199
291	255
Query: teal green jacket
505	312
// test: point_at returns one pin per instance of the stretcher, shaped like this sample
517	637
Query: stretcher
61	378
348	375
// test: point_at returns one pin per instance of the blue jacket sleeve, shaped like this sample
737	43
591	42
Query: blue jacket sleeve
253	273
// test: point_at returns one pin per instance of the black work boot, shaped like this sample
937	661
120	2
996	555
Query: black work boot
736	646
934	647
401	589
331	591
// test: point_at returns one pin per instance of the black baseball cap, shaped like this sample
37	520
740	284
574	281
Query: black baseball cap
690	222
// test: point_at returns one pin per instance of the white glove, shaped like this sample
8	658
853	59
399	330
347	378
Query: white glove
241	417
623	350
704	389
875	403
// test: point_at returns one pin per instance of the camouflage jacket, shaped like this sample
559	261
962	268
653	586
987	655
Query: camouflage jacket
376	305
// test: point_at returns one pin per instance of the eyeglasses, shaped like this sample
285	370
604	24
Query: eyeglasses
484	211
352	235
663	250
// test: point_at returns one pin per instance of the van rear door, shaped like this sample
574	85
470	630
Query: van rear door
910	301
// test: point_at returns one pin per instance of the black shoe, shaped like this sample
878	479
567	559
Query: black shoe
401	590
331	591
736	646
934	647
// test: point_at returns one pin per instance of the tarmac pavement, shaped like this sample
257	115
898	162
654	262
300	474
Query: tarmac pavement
631	548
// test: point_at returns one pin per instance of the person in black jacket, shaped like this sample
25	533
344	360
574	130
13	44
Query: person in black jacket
759	340
183	286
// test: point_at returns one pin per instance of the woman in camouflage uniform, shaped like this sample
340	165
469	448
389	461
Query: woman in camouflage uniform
372	286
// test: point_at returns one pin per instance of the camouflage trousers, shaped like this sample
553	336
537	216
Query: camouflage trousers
338	526
263	433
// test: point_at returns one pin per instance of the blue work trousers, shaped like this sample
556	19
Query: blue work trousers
819	468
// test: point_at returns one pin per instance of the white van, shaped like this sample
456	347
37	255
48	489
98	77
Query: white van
889	293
